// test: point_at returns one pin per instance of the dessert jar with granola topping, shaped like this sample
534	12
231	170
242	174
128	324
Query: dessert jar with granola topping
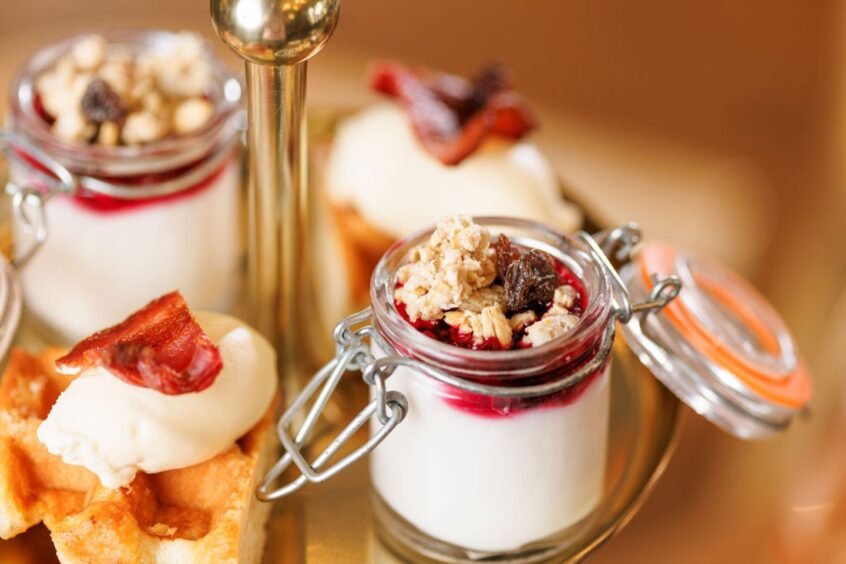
482	470
146	124
489	366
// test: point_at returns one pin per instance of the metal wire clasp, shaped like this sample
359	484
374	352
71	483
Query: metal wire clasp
28	201
390	407
618	244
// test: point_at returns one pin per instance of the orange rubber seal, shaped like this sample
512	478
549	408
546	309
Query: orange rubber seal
793	390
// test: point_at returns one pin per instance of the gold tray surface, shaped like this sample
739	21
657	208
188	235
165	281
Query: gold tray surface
333	522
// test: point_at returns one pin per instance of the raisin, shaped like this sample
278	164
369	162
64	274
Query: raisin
506	254
101	103
530	280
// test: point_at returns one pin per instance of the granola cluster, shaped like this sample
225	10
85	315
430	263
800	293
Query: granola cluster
448	271
483	290
104	95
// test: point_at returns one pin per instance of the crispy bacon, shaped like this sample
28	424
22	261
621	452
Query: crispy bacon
160	347
452	116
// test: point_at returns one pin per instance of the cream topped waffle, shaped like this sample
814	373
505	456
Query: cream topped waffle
202	512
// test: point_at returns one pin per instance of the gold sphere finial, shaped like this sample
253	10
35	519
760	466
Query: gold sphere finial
275	32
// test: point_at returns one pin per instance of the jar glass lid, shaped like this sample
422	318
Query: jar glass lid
720	347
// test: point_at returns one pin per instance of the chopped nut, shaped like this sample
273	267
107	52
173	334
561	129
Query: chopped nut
484	297
117	72
142	127
61	92
144	84
183	71
444	273
495	324
489	323
139	94
549	328
522	320
458	318
109	134
153	102
89	52
563	300
191	115
72	126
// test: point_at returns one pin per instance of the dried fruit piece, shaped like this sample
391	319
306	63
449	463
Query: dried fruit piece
101	103
160	347
451	116
506	254
530	280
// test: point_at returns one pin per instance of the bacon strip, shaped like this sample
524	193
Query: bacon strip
160	347
452	116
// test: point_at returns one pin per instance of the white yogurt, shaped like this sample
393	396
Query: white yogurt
97	265
492	484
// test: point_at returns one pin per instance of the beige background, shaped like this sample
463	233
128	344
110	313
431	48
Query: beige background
717	124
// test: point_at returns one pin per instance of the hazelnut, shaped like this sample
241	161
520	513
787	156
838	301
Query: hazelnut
143	127
89	52
191	115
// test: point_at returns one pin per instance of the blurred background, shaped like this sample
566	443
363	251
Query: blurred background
719	125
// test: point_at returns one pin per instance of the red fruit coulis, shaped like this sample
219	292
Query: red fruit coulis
487	406
100	203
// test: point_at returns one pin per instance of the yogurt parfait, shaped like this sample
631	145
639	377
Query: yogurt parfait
488	360
477	472
147	124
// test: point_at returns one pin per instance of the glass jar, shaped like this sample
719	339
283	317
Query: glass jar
474	470
138	221
501	455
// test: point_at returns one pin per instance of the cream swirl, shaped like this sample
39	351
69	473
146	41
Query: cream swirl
378	167
116	429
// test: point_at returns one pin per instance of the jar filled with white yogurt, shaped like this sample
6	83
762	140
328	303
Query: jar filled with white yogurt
147	125
523	450
488	358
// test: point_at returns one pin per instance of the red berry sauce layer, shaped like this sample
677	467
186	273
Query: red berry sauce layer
440	330
467	290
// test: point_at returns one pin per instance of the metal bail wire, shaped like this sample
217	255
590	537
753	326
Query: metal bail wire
391	407
352	354
28	201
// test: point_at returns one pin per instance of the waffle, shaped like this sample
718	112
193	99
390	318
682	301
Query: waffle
361	245
204	513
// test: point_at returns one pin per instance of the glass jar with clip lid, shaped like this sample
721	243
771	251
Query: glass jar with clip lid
149	209
501	454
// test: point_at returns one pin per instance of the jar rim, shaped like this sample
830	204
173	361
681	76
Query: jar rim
519	362
164	155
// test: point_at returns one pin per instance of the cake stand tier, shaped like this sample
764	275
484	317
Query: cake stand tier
333	522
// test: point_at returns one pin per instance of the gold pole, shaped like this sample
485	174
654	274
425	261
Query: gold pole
276	38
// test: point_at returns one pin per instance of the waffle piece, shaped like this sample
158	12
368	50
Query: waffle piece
204	513
362	245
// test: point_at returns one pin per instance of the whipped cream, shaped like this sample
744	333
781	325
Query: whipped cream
116	429
378	167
